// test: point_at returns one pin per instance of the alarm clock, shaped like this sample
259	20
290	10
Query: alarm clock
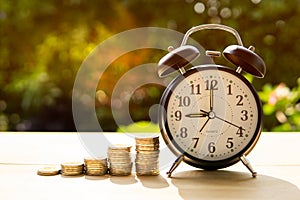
210	115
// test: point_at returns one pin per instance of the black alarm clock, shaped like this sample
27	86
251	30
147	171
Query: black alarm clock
210	115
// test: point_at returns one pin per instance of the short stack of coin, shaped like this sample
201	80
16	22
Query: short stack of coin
95	166
71	168
147	154
119	158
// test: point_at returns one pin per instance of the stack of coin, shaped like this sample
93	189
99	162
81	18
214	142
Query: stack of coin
120	160
71	168
95	166
147	153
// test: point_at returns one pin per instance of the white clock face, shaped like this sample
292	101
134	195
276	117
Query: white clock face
212	115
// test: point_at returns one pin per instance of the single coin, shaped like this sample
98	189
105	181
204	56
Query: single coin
72	164
119	147
48	171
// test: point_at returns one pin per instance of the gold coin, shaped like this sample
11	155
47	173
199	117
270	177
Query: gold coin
95	159
154	172
48	171
119	147
72	164
147	140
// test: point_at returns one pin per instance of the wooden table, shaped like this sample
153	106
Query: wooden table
276	158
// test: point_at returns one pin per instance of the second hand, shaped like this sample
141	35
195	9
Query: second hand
228	122
224	120
204	125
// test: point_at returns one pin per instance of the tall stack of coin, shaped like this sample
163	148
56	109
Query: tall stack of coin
147	154
71	168
120	160
95	166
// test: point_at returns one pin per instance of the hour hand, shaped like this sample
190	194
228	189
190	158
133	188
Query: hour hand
197	115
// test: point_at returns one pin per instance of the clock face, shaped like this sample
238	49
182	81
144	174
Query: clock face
212	115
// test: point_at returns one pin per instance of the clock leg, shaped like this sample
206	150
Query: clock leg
175	165
246	162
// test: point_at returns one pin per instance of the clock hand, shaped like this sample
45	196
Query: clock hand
224	120
229	122
205	112
196	115
204	125
211	101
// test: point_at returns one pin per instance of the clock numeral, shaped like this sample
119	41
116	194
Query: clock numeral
195	89
184	101
239	100
183	132
211	84
229	144
196	140
178	115
245	115
211	147
229	90
240	132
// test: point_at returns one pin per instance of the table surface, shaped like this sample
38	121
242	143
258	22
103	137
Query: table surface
275	158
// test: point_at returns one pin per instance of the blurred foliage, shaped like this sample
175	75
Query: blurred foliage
281	106
139	127
43	43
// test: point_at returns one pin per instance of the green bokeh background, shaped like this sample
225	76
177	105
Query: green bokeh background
43	43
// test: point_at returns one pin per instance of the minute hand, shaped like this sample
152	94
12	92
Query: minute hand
228	122
211	99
